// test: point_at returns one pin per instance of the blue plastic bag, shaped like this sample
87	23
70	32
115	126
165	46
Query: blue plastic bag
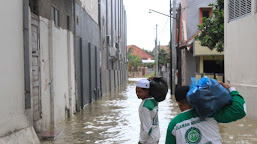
207	96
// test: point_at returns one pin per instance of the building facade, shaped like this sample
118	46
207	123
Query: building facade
15	100
194	60
240	49
61	56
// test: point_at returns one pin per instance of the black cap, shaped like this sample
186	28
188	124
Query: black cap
181	93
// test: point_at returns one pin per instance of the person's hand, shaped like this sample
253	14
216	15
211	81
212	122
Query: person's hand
227	86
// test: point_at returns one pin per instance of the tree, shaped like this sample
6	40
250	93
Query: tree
163	56
212	28
134	61
149	52
130	50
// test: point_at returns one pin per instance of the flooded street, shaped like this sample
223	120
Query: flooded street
114	120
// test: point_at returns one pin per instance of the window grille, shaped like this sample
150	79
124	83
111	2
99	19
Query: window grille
239	8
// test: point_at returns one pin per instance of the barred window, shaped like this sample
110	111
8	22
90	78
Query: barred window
239	8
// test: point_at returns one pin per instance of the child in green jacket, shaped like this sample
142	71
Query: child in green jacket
148	114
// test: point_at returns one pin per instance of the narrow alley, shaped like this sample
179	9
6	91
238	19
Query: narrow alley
114	119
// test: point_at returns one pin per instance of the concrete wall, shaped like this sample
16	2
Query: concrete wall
45	72
24	136
190	68
65	8
193	14
12	99
57	72
15	119
113	23
241	56
91	7
88	76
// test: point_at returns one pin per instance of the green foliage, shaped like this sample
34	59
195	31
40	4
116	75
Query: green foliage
163	56
130	50
212	28
134	61
149	65
150	75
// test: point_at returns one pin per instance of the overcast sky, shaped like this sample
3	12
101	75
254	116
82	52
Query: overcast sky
141	25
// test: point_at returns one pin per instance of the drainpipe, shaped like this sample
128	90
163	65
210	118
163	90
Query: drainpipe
26	53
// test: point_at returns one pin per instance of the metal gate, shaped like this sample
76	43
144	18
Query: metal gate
36	97
88	73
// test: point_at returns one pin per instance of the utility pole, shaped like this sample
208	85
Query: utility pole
171	82
156	54
173	67
179	50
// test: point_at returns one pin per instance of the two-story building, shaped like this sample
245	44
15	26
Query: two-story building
193	59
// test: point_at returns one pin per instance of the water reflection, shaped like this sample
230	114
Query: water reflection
114	119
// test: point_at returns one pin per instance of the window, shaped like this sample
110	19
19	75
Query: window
33	4
239	8
213	66
55	16
205	12
68	22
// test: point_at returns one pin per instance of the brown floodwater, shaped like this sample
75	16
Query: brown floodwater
113	119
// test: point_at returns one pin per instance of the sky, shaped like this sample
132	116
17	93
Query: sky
141	25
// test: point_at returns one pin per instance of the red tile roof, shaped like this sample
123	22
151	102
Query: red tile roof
140	52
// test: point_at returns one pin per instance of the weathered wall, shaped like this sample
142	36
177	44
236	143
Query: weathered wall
15	122
91	7
240	56
57	72
190	67
193	15
24	136
64	6
12	99
46	81
113	25
87	43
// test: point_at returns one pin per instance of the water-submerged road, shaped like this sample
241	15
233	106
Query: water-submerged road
114	119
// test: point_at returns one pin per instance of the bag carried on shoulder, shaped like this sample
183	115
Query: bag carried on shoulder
207	96
158	88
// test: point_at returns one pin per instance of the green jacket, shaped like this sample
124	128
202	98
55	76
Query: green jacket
188	128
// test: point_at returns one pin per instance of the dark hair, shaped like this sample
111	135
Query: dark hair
181	93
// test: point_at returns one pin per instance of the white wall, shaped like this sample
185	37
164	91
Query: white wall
57	51
45	77
241	56
12	99
71	70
